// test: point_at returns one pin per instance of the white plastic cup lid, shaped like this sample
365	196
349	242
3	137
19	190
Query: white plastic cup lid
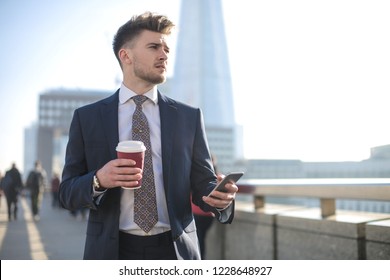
130	146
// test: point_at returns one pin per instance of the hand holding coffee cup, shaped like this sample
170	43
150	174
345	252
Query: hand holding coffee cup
134	150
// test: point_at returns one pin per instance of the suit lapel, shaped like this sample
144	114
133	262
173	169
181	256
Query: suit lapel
109	116
168	117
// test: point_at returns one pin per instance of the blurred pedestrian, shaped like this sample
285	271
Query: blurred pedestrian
36	182
1	188
12	185
81	213
55	187
203	220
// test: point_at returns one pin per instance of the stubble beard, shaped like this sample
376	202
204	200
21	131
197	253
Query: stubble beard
148	76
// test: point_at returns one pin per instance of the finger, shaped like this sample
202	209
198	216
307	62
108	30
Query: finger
127	170
127	184
220	177
231	188
124	162
128	177
217	194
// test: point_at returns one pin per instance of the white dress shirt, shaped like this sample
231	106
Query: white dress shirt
125	114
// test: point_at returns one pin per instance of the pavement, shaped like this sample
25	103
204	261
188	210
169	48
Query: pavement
56	236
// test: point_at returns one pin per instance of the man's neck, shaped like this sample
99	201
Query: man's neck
138	87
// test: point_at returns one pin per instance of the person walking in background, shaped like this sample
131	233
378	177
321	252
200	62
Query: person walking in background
36	183
203	220
177	162
55	188
12	185
81	213
1	188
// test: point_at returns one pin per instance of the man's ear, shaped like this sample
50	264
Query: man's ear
125	56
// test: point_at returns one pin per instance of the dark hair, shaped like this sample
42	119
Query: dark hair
131	29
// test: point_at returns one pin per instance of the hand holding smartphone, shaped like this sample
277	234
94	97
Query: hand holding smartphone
231	177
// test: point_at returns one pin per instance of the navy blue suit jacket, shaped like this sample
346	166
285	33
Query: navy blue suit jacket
187	168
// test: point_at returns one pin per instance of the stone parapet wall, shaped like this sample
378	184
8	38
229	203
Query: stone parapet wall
297	233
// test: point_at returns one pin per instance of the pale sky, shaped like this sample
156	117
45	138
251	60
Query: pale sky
310	78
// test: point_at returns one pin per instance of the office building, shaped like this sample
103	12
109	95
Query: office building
56	109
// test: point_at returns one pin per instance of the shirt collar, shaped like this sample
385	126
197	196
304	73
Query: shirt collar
125	94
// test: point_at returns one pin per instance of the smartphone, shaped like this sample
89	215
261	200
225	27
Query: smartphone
231	177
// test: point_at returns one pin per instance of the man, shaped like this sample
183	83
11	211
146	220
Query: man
12	185
55	188
36	182
180	158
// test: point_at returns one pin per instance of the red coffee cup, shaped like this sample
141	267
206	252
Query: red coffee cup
134	150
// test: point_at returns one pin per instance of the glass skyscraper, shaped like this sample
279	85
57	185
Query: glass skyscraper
202	75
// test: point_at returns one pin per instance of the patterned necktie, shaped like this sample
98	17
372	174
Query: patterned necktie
145	205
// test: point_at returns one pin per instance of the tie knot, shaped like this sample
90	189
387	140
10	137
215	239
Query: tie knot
139	99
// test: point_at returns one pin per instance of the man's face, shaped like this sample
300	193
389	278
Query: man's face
149	56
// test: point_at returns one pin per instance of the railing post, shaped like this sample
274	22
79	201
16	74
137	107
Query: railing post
259	201
328	207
